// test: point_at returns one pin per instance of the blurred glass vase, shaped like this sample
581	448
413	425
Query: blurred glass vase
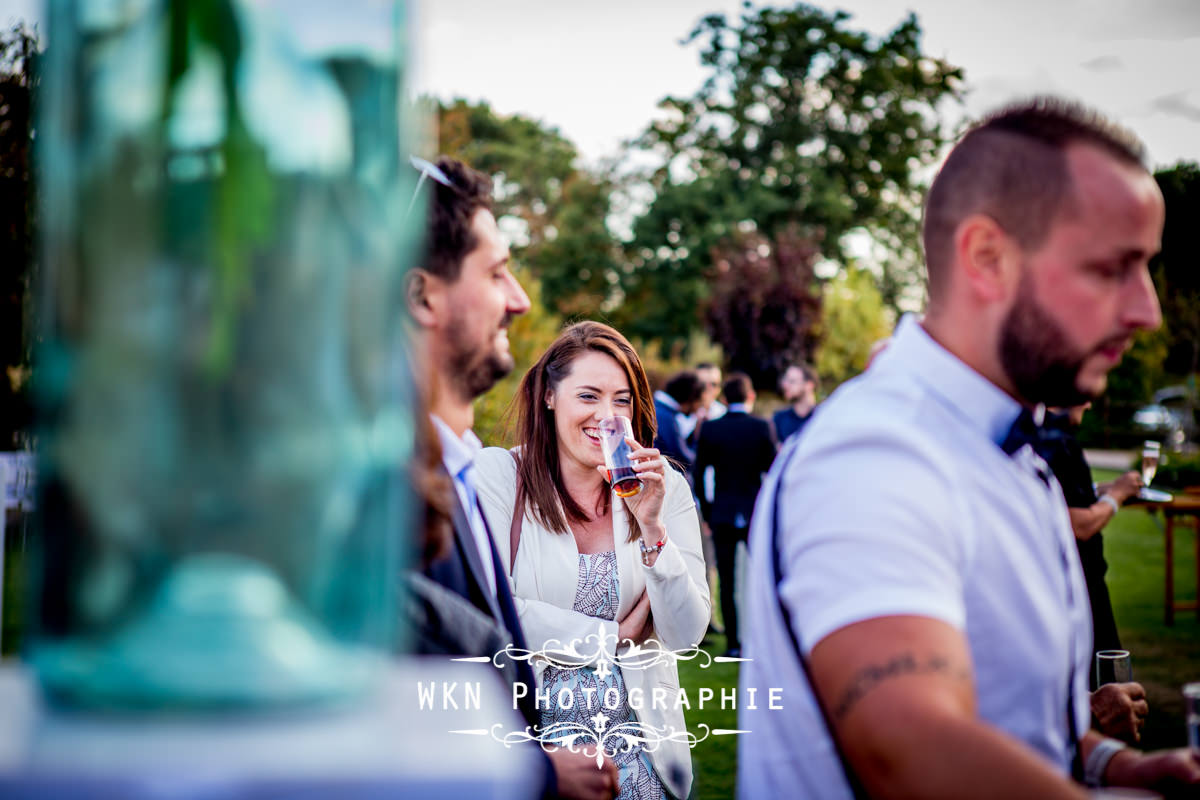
221	412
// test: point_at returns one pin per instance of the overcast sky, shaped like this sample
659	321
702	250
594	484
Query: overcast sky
596	70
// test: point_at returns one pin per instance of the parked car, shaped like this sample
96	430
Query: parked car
1170	418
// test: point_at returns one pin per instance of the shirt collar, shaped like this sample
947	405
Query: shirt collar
975	399
666	400
734	408
457	453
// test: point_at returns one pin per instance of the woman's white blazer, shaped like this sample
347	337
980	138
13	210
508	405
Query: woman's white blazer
546	572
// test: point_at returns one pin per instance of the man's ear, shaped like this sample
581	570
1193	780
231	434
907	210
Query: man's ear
419	290
989	258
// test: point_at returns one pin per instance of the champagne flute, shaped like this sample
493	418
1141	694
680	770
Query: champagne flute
1113	666
1191	705
1150	454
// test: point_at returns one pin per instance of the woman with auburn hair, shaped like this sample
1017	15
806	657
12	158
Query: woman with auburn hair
584	561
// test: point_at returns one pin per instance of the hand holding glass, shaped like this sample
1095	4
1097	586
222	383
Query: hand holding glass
613	434
1113	666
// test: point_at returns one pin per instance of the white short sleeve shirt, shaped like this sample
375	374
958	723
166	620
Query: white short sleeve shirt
898	499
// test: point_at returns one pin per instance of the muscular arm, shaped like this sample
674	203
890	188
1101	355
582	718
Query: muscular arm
900	694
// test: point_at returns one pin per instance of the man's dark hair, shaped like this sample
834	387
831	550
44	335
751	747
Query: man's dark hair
685	387
809	373
1012	166
451	209
737	388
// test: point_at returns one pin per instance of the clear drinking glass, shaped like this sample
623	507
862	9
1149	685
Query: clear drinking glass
613	434
1113	666
1191	706
1150	457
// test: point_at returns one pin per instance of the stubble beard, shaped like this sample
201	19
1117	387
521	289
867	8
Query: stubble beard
1037	356
473	372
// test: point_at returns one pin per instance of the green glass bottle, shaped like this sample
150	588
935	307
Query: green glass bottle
219	378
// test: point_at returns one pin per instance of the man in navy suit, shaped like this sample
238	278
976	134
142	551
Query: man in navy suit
461	299
740	448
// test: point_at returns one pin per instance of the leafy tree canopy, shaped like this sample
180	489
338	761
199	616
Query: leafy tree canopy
854	318
803	123
564	208
1175	268
18	71
763	310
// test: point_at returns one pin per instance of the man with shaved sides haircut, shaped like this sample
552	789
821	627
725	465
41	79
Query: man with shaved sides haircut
915	588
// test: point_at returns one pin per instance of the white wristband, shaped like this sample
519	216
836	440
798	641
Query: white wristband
1112	501
1097	761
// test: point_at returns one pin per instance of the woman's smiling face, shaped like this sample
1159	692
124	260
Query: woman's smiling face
595	388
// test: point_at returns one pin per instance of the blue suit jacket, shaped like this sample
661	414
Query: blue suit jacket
670	441
461	571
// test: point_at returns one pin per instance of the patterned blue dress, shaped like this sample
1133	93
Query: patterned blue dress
597	595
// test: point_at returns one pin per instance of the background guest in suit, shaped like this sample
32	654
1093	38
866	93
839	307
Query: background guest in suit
798	385
710	408
1118	709
739	448
461	300
681	395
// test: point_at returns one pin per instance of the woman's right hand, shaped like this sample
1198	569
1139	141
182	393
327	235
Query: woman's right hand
635	626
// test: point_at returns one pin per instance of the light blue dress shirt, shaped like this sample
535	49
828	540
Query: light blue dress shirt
899	501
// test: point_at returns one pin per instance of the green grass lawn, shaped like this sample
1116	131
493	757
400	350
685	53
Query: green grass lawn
1164	658
714	760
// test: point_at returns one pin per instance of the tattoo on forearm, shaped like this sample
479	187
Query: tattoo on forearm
903	664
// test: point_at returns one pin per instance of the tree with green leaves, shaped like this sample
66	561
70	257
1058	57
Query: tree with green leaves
563	207
853	318
18	60
802	123
1170	354
762	309
1174	268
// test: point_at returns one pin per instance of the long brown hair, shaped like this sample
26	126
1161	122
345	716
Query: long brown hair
433	489
538	470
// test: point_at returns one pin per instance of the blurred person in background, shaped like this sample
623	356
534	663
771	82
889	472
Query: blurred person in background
738	449
682	395
710	408
798	385
1118	709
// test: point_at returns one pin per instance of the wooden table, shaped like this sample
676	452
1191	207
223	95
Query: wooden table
1182	505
